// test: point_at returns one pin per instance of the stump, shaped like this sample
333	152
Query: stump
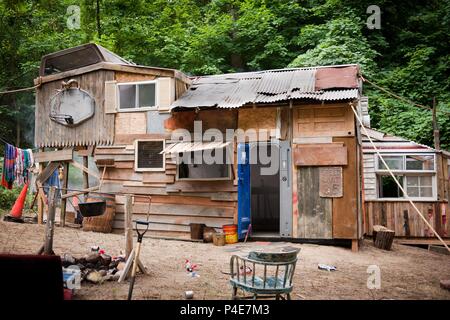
383	237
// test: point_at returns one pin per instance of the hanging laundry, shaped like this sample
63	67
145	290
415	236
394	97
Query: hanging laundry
16	165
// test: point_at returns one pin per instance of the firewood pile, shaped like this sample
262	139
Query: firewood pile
96	267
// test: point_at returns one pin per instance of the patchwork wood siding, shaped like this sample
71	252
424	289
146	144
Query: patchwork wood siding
405	221
97	130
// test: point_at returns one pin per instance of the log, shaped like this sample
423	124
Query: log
128	225
50	227
383	237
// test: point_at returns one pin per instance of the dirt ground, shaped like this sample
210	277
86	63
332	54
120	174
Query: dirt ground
406	272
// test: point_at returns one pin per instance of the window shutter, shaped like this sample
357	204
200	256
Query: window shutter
166	93
110	96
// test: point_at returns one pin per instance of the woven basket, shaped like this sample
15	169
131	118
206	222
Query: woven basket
103	223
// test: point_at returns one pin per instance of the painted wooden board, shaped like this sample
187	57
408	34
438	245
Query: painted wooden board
330	182
345	208
59	155
314	212
320	155
336	120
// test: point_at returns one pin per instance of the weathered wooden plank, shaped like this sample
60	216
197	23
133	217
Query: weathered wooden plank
122	138
315	212
59	155
182	199
178	220
115	157
180	209
320	155
155	177
99	129
156	227
345	209
202	186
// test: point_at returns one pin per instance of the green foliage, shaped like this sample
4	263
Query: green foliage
408	55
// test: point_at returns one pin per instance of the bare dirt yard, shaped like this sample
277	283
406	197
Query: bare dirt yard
406	272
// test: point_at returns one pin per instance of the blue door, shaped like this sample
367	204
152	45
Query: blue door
244	210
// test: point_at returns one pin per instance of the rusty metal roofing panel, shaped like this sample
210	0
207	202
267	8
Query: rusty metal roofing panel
237	89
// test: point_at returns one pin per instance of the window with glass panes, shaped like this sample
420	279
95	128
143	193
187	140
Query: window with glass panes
137	95
415	172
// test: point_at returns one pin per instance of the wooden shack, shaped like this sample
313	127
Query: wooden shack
130	113
424	174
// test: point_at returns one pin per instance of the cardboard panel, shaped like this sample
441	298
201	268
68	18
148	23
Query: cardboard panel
327	154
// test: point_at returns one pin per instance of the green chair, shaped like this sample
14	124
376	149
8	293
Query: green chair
263	274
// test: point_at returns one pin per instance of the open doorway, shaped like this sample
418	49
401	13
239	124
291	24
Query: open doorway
265	189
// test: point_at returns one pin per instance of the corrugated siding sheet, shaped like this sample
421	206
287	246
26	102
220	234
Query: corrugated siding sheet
238	89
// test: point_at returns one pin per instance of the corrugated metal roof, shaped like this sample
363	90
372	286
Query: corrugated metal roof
389	143
237	89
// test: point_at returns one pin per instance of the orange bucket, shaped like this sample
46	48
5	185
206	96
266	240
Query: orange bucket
230	231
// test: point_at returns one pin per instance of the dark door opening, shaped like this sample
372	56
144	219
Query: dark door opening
265	190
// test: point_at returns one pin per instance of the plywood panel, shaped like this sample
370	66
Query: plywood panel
345	209
257	118
336	120
131	123
320	155
314	212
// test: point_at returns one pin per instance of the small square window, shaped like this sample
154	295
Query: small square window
148	155
137	95
147	96
127	95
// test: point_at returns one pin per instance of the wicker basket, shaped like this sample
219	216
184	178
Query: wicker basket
103	223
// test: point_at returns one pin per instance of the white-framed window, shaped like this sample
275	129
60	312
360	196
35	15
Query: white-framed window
148	156
136	96
415	172
195	169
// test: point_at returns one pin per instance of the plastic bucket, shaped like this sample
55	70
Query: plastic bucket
230	231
